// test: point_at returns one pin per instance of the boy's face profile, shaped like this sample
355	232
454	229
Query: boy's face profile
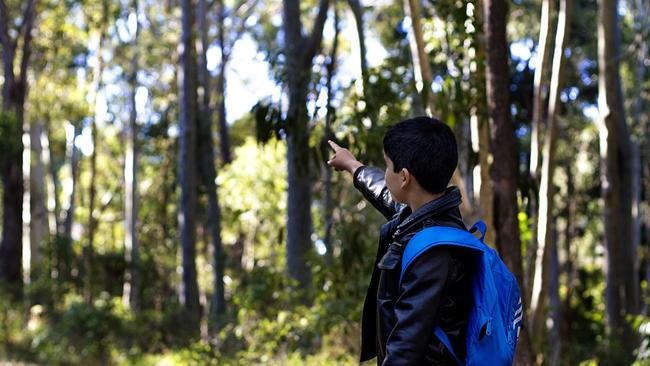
396	182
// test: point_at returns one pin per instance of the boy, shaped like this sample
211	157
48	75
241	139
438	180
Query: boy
399	319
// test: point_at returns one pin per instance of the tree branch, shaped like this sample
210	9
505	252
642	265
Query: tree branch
29	16
4	30
314	43
242	25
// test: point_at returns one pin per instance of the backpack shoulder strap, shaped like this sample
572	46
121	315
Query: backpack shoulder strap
434	236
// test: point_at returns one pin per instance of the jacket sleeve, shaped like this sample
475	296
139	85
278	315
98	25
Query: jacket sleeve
371	183
421	293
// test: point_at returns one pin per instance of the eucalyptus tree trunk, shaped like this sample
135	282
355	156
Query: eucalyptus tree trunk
540	85
131	287
329	117
208	175
555	305
547	189
64	249
502	138
371	108
423	76
187	79
622	285
89	249
224	136
481	126
53	205
570	265
539	93
38	223
299	51
14	94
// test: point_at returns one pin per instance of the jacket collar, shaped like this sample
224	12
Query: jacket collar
450	199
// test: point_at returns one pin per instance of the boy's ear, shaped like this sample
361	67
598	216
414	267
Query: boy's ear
406	177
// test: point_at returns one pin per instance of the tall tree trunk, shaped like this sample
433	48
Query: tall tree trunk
539	91
547	189
423	75
371	108
131	287
64	245
571	267
481	127
187	168
89	249
504	169
209	176
329	118
53	206
299	51
39	225
14	93
555	341
224	136
621	291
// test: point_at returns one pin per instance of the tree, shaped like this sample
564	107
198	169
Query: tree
502	138
131	286
208	172
328	205
622	285
545	241
38	222
357	12
539	93
187	79
14	93
299	52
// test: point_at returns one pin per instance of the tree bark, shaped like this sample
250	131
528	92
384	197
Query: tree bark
502	138
39	225
187	168
555	341
621	291
543	53
329	118
299	51
131	287
224	136
547	189
14	93
209	175
357	12
539	95
421	64
89	249
65	243
481	124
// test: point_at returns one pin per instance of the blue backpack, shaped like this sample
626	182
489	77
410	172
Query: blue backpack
496	316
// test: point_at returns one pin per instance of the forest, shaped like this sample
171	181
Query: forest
166	197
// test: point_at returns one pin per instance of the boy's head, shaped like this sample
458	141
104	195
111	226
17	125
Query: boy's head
422	148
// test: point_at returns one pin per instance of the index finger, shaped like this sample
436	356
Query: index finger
334	146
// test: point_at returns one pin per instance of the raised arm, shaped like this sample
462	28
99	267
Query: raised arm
368	180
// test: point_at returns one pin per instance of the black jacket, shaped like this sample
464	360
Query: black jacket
398	323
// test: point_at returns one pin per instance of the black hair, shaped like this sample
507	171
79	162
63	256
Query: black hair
426	147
